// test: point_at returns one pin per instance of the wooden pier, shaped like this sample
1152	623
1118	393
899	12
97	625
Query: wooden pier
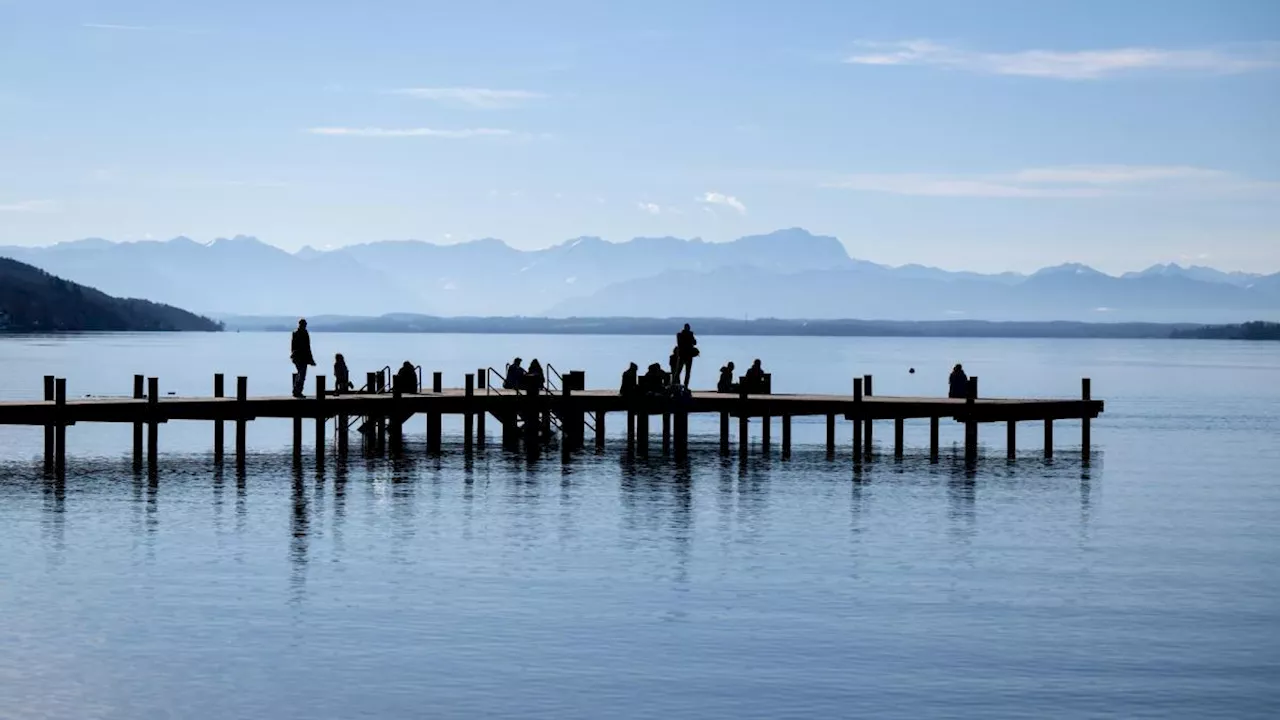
379	416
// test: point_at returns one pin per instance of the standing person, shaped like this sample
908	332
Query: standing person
674	362
300	354
687	350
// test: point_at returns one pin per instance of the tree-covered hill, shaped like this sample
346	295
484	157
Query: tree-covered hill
32	300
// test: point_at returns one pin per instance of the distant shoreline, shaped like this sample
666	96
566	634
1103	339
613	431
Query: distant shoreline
403	323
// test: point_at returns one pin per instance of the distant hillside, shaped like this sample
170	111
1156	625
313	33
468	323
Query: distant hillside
1244	331
789	273
32	300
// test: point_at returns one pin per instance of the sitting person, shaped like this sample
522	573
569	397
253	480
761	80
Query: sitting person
726	384
533	380
406	380
341	375
754	378
958	383
515	376
655	381
630	384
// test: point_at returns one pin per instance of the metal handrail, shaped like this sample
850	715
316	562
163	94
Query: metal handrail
553	390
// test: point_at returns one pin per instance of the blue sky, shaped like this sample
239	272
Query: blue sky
969	135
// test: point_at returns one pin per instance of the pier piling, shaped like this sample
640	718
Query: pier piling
831	436
320	420
766	423
153	423
666	433
868	433
970	422
682	433
139	393
1011	439
482	383
1048	438
642	432
242	412
600	415
468	415
897	437
724	433
50	443
1086	394
219	390
933	438
857	420
786	437
60	427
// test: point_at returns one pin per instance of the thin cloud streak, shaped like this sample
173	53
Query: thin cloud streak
376	132
1071	64
715	198
109	26
484	98
1070	181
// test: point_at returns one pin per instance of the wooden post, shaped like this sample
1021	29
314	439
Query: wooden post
482	382
600	414
857	420
666	433
468	418
153	425
744	423
320	420
139	393
566	425
242	397
1011	439
933	439
898	424
682	433
433	431
868	429
786	437
724	433
1048	438
60	428
970	424
371	382
631	430
482	378
50	442
1086	394
219	390
766	424
437	382
642	432
831	435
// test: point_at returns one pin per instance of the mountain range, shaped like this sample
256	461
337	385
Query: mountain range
785	274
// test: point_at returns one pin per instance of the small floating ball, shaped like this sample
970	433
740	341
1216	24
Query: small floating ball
912	371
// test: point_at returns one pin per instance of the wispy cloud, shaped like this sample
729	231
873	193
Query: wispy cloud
715	198
29	206
109	26
485	98
1069	181
376	132
1071	64
651	208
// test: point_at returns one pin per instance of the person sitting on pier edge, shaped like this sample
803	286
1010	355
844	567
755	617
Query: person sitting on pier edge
656	381
515	376
687	350
726	384
406	380
533	379
300	354
753	380
959	383
630	384
341	375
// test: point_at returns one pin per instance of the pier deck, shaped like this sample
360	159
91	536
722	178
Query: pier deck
379	414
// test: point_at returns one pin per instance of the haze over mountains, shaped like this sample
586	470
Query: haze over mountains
786	274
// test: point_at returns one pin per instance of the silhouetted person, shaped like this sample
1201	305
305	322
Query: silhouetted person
958	383
754	377
655	381
515	376
726	384
533	378
630	383
406	380
687	349
341	375
300	354
674	362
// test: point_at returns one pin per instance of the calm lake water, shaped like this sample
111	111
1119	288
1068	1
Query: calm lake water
1144	585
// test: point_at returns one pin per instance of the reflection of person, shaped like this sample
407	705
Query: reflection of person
959	383
300	354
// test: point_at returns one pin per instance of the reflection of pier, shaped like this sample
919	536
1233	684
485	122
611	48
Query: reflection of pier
380	415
